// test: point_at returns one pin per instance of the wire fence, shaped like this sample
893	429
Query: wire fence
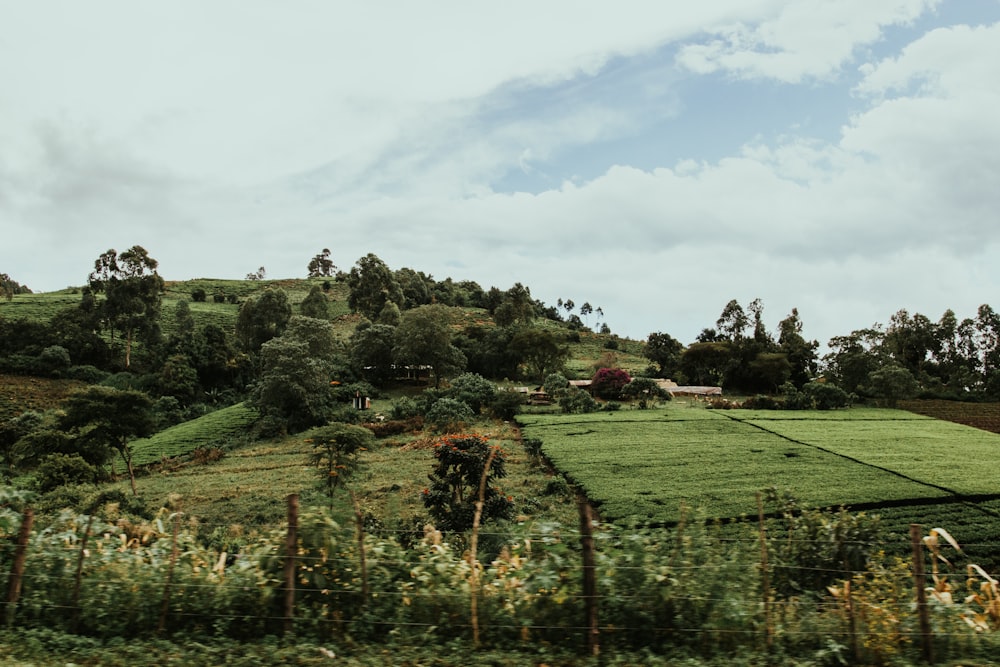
588	586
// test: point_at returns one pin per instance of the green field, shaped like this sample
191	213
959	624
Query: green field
213	430
645	465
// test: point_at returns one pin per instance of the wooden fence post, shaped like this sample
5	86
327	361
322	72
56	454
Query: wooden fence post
589	575
852	624
165	603
920	583
79	573
359	518
474	548
765	574
291	551
17	567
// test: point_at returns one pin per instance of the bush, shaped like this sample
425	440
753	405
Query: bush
404	408
762	402
474	390
454	490
554	383
449	414
506	405
646	391
55	359
815	396
827	396
576	400
608	383
198	295
395	426
86	373
56	470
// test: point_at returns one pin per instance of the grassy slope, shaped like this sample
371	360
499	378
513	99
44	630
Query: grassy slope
246	490
19	393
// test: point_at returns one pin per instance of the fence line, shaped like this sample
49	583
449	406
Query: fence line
78	571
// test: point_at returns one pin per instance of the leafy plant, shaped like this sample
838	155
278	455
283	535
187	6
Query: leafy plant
335	453
455	481
608	383
449	414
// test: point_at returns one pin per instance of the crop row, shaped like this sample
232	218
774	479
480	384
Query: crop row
212	430
646	464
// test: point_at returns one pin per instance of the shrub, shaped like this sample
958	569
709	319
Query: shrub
646	391
827	396
506	405
404	408
474	390
449	414
395	426
576	400
554	383
55	359
454	490
57	470
86	373
335	450
608	383
198	294
762	402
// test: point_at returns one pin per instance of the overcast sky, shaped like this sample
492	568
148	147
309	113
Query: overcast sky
656	159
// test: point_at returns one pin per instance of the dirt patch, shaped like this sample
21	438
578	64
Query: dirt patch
20	393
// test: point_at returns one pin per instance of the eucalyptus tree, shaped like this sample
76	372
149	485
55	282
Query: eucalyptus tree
132	295
321	266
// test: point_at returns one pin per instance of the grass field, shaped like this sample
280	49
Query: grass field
215	429
645	464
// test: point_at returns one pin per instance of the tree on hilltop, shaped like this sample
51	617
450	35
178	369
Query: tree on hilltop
132	294
371	284
321	266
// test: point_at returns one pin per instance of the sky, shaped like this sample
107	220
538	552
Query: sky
655	159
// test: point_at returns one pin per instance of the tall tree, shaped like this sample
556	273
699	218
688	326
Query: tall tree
133	291
371	284
424	338
321	266
665	351
540	351
732	322
371	351
262	318
801	354
296	369
110	417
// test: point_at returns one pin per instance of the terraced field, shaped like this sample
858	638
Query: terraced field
909	468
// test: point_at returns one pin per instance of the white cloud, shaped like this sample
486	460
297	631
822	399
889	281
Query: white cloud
221	150
806	39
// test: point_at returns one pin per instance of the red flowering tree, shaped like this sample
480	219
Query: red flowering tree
451	497
608	383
